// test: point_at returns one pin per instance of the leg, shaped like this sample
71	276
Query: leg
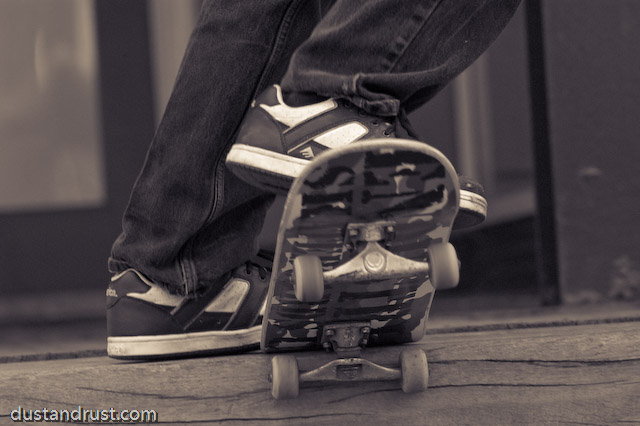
387	57
389	54
185	208
180	285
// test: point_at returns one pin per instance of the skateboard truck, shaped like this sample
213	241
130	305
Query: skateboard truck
373	263
347	340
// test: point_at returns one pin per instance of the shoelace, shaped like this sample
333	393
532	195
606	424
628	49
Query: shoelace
375	120
403	119
250	267
391	128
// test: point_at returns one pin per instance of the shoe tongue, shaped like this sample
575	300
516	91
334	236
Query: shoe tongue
298	99
129	282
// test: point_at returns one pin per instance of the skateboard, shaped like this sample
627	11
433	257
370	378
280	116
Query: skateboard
362	246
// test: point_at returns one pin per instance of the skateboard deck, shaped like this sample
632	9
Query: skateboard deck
362	246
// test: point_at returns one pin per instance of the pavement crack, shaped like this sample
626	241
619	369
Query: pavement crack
239	395
361	394
569	363
534	385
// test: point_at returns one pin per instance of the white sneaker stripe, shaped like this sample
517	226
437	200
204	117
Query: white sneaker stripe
342	135
294	116
231	297
158	296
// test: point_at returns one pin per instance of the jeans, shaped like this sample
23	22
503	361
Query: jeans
189	221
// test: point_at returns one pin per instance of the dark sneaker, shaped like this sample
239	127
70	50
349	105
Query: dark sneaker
276	141
145	321
473	204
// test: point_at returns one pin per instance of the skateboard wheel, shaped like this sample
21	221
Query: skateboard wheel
415	370
309	283
285	382
444	265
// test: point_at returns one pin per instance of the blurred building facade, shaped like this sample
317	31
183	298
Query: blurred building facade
84	84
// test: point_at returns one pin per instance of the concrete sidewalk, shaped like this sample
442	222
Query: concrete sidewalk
572	374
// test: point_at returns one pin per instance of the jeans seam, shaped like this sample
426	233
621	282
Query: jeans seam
186	263
281	36
187	268
400	44
396	52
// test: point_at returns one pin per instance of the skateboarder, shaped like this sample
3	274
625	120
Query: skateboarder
186	278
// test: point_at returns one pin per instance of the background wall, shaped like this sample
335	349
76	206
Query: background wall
53	253
592	71
63	190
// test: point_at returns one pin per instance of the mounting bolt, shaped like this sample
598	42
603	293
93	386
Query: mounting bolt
375	261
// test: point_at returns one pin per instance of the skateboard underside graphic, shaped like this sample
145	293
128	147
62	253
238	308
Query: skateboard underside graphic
362	246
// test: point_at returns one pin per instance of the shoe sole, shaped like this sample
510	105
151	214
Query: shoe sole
472	212
264	169
276	172
184	344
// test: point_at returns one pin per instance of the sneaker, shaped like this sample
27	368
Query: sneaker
145	321
473	204
276	141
